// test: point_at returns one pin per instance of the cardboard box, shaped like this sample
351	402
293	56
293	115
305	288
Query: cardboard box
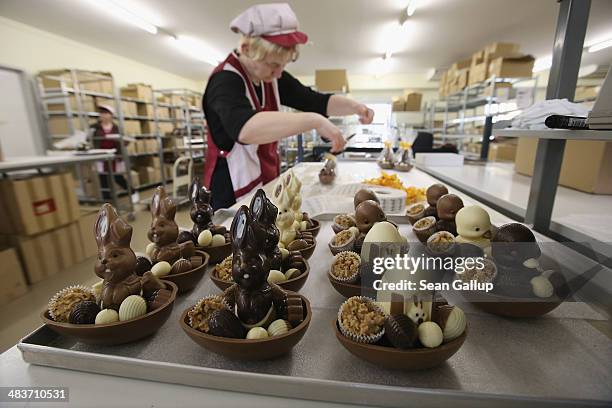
31	205
144	109
135	178
511	67
502	151
178	100
148	127
46	254
138	91
152	147
13	279
462	78
153	174
86	224
165	127
88	103
413	101
132	127
59	125
398	105
460	65
586	92
143	175
501	90
499	49
88	80
131	148
156	162
477	58
107	87
87	180
478	73
178	113
587	165
163	113
331	80
129	108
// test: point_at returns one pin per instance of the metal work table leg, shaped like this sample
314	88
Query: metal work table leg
567	52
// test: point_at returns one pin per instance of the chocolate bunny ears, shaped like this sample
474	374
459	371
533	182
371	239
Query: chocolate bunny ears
111	229
198	193
162	205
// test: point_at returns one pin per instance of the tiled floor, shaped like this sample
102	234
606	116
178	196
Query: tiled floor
21	316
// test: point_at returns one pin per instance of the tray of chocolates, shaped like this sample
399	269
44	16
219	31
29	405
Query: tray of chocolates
206	340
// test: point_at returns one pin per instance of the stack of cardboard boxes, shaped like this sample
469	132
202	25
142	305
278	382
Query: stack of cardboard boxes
43	228
503	60
410	102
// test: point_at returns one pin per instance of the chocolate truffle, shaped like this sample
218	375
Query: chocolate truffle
401	331
142	265
180	266
64	301
434	192
367	214
363	195
224	323
298	245
159	298
295	310
84	313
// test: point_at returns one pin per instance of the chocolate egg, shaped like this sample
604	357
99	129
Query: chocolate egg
184	236
84	313
106	316
401	331
257	333
367	214
451	320
132	307
542	287
363	195
161	269
434	192
149	249
447	206
205	238
278	327
472	222
180	266
292	273
143	265
276	276
430	334
224	323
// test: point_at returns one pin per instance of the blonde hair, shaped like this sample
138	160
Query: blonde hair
260	48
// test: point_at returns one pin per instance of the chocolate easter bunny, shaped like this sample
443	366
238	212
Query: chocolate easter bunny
164	231
263	214
201	211
256	301
116	262
286	217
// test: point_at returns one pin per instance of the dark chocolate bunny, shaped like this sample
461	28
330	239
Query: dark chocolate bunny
164	231
201	211
254	298
263	214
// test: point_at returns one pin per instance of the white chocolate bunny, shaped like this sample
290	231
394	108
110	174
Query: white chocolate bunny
286	217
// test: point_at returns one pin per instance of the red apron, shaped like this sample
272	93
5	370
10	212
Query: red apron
250	166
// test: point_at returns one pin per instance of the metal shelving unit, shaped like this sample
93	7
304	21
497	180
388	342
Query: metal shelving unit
465	104
74	83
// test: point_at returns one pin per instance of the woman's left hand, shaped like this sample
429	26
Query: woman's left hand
366	115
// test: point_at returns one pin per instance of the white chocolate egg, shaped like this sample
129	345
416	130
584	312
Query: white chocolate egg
354	230
278	327
217	240
107	316
132	307
205	238
430	334
542	287
276	276
257	333
292	273
281	245
303	225
472	221
284	253
149	249
383	232
531	263
161	269
455	324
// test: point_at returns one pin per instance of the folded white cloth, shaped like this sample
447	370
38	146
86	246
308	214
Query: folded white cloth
534	116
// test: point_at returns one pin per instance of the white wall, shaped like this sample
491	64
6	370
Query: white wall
30	49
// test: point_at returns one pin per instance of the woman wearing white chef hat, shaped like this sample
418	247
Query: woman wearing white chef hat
242	100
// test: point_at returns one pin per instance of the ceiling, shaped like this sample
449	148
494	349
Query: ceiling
349	34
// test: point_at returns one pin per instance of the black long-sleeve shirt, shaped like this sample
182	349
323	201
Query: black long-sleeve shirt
227	108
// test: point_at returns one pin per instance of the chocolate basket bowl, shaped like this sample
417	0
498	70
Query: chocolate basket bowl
189	279
309	250
121	332
349	289
217	253
314	230
247	349
505	306
397	359
294	285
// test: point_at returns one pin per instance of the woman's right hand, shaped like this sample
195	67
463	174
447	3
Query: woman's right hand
331	132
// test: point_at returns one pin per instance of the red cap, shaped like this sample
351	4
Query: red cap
287	40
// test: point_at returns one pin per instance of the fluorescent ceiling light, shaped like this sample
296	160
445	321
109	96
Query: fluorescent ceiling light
600	46
197	50
119	11
542	64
